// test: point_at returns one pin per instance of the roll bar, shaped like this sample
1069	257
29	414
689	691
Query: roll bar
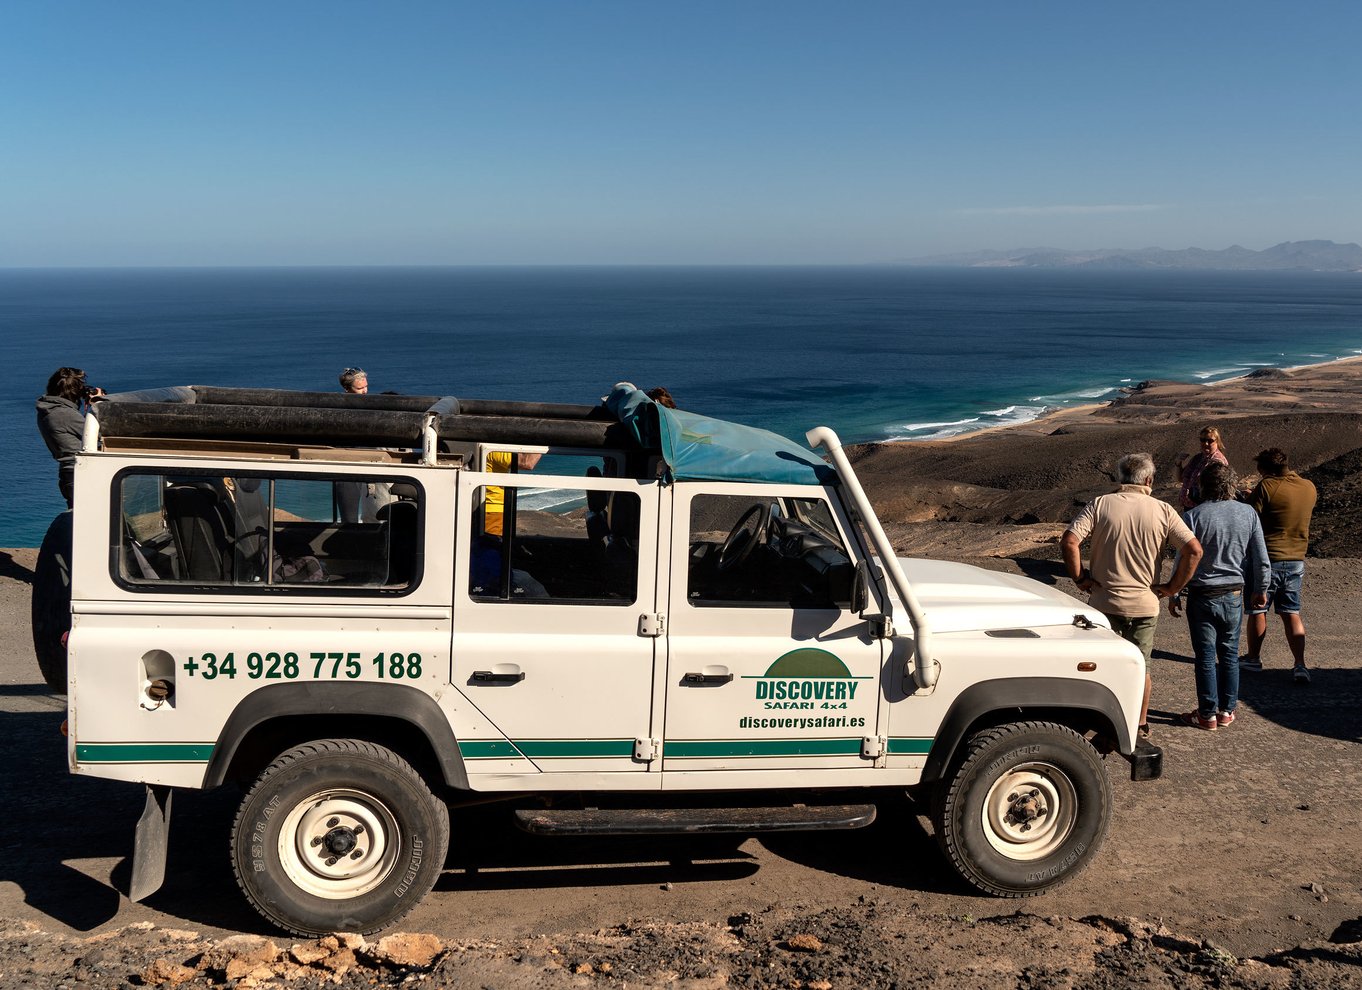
925	668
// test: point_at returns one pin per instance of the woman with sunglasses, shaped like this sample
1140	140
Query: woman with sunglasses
1212	452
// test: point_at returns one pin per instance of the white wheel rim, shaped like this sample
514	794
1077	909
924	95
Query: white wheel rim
1029	811
339	843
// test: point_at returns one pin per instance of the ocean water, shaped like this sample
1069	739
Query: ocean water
876	353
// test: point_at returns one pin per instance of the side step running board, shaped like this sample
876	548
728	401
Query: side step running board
691	821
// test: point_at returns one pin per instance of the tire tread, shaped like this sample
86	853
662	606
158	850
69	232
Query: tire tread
952	792
391	763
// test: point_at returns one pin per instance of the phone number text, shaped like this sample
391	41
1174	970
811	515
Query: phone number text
316	666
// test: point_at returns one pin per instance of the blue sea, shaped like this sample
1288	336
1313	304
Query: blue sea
877	353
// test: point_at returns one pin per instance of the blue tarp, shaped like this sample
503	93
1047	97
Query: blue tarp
698	448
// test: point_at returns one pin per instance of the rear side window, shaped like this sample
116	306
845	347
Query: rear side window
568	546
262	532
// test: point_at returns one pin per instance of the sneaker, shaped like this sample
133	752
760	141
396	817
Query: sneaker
1195	720
1301	675
1252	664
1224	719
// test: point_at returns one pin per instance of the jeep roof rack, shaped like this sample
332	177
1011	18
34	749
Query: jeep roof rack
203	412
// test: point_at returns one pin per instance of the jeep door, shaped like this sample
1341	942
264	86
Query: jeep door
549	591
768	668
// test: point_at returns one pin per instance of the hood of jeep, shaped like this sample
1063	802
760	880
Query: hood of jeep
962	597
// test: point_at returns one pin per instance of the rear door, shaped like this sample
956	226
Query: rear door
547	637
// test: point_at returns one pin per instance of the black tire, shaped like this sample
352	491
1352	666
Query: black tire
50	615
1025	810
338	835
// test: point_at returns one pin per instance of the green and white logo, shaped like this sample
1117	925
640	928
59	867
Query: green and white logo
807	678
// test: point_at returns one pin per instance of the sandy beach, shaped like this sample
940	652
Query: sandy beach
1010	490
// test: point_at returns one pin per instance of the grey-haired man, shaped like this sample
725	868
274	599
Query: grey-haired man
1129	529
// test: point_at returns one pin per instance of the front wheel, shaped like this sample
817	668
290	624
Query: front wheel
338	835
1025	810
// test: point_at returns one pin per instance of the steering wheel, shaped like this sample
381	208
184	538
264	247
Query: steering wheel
740	542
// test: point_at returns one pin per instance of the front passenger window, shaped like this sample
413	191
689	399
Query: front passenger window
766	552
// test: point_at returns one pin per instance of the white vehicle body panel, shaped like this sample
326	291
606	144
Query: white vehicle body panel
600	706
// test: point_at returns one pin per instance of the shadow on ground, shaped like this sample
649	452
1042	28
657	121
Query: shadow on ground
502	857
11	568
896	851
1329	707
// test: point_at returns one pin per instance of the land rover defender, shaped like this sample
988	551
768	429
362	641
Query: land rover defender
619	618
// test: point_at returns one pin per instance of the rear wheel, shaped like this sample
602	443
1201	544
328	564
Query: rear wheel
338	835
50	615
1025	810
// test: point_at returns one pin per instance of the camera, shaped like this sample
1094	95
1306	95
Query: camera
91	391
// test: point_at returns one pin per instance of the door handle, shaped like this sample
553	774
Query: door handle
496	677
702	680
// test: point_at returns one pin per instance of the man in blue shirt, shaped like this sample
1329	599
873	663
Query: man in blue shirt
1234	563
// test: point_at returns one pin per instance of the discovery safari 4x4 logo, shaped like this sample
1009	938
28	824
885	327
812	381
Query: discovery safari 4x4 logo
811	680
807	679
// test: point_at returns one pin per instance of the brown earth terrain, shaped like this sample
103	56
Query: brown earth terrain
1240	868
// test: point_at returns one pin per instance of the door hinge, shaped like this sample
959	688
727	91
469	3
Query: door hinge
881	627
652	624
647	750
872	747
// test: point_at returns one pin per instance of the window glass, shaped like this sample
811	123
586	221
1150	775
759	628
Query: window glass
564	545
768	552
570	465
261	532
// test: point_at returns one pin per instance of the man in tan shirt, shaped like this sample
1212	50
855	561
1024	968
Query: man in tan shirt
1129	529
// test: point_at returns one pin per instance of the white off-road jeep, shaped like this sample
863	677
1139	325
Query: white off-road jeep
618	618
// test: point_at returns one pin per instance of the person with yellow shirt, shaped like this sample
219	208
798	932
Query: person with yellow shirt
494	497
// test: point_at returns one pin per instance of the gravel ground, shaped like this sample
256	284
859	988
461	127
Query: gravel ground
867	944
1240	868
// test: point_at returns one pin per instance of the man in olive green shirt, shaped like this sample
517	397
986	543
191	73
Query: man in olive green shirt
1284	502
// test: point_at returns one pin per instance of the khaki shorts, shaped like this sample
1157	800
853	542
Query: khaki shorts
1139	631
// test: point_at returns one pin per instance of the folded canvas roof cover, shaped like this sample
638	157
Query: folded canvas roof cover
697	448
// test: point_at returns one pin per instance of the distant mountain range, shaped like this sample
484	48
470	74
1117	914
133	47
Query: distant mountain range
1319	256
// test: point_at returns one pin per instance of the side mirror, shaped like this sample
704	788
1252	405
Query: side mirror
860	588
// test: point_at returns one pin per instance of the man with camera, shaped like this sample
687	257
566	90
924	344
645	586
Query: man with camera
61	421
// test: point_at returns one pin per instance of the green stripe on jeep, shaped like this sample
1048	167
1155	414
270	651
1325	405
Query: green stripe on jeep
143	752
487	749
917	746
562	749
696	749
547	749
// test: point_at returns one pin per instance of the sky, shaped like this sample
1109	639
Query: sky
633	132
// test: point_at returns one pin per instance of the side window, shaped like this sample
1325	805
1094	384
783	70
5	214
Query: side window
766	552
565	464
262	532
561	545
558	463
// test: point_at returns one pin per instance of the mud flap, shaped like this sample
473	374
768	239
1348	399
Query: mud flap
150	843
1146	762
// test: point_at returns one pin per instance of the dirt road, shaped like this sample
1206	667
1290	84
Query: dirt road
1250	841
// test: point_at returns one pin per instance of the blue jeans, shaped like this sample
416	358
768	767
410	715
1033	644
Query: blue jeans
1214	625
